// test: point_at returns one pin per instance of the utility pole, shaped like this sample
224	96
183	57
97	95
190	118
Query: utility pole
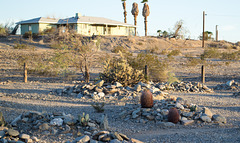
203	35
216	33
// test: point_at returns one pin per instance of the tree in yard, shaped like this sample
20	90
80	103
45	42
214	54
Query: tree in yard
179	30
207	36
125	11
86	51
159	33
135	12
145	13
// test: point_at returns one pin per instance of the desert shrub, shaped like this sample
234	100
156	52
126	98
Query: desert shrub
210	53
230	56
158	71
118	49
27	34
118	70
20	46
174	53
164	52
191	61
3	31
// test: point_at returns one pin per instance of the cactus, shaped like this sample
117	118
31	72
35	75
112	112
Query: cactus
83	119
193	108
147	99
2	121
99	108
173	115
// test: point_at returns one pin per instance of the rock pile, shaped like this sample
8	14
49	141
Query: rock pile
101	90
236	94
230	85
23	128
189	113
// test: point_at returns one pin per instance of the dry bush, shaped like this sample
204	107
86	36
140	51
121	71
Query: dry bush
118	70
210	53
158	71
230	56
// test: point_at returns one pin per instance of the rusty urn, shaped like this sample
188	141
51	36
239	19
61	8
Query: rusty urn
146	99
173	115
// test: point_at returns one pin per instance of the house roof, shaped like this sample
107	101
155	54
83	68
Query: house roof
81	19
93	20
40	20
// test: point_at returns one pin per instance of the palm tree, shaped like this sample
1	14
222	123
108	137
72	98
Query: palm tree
159	33
125	11
145	13
135	12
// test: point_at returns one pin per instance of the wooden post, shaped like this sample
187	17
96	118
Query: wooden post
203	74
25	72
146	72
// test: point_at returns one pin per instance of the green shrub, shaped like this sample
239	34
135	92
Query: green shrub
174	53
118	49
230	56
3	31
118	70
158	71
28	34
210	53
20	46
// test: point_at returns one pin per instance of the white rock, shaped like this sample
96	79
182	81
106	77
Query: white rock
56	122
229	83
101	94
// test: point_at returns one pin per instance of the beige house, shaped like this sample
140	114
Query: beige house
84	25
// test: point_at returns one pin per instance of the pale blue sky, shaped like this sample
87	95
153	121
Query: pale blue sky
163	13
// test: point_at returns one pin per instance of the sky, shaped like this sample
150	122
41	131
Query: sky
163	14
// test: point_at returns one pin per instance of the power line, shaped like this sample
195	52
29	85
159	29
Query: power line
223	15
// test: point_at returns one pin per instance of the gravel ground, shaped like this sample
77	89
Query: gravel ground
17	97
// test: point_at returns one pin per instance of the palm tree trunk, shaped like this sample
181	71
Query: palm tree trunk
145	21
135	23
125	17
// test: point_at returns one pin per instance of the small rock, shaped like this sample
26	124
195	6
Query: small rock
150	117
99	83
229	83
2	134
82	139
219	119
166	124
56	122
137	87
187	114
115	141
117	84
205	118
117	136
187	122
207	112
44	126
24	136
4	141
91	124
13	133
101	94
35	139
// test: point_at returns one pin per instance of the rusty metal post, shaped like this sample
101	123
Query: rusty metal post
203	34
203	74
146	72
25	72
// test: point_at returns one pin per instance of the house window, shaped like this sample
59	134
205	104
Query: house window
29	27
